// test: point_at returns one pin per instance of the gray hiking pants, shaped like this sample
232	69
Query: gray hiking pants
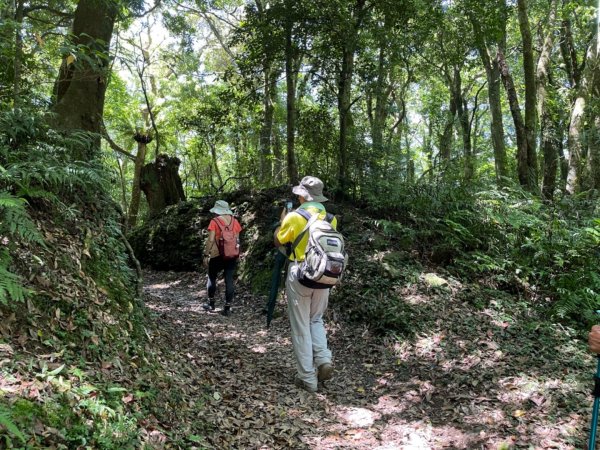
306	307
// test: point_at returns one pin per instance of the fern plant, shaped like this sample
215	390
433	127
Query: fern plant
6	421
15	224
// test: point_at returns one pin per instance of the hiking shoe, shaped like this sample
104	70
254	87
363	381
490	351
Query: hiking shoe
226	311
324	372
209	306
304	385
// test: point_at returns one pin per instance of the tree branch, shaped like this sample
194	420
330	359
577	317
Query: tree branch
145	13
218	189
475	106
215	31
114	145
55	12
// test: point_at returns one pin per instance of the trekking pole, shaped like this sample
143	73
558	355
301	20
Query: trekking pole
594	426
596	409
280	263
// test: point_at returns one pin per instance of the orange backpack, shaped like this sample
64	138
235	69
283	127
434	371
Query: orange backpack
229	242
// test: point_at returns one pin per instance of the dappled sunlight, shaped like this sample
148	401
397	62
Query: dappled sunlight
427	346
259	349
357	417
518	390
390	404
416	299
378	255
407	435
159	286
458	384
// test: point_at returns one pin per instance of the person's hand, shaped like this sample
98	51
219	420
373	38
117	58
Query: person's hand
205	261
594	339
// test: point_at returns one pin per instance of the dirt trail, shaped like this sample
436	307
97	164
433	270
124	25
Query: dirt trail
380	397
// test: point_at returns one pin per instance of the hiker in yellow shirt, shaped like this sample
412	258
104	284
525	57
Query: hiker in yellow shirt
306	304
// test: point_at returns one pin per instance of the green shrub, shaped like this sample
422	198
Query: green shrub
507	237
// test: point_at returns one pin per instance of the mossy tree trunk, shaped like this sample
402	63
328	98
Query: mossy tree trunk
80	88
143	140
161	183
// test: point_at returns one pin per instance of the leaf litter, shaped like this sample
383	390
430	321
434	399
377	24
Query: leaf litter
473	379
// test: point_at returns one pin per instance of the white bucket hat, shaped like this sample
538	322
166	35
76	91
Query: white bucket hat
221	207
311	188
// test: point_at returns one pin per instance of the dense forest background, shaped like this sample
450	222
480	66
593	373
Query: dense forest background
462	134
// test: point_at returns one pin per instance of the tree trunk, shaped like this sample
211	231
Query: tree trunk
513	100
18	64
593	162
562	159
497	126
215	161
428	150
382	93
81	85
530	97
161	183
549	143
410	164
344	95
489	58
122	168
462	111
344	101
567	49
447	137
545	111
266	130
291	79
576	131
134	206
277	157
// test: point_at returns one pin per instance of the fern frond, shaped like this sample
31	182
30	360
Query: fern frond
7	422
14	219
36	192
8	200
11	286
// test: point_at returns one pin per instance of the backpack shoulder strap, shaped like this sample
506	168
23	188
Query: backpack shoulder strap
218	222
221	222
310	218
304	213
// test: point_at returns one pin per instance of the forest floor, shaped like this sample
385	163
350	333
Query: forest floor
482	378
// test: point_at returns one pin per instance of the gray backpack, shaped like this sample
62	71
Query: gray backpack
326	257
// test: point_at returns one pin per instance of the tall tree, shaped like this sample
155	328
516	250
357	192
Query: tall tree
546	113
348	42
529	160
83	76
293	60
489	42
271	70
589	84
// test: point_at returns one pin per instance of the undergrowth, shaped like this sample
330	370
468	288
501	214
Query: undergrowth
506	239
77	369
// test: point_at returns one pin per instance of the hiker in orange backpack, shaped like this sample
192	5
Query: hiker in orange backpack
221	253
